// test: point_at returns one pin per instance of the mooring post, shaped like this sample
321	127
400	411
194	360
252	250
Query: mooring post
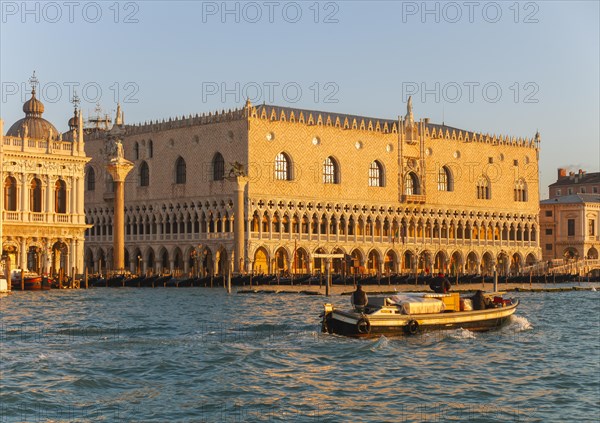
328	275
495	280
72	283
8	274
229	278
22	279
530	277
86	277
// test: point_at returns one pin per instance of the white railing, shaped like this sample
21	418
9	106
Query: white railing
61	218
16	144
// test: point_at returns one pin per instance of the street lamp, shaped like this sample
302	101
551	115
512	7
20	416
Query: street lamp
139	266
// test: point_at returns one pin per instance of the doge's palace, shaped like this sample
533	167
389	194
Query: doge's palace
264	188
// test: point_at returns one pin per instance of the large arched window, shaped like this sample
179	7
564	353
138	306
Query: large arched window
144	175
218	165
445	182
376	175
180	171
136	151
60	197
483	188
411	184
91	179
520	190
35	198
283	168
10	194
331	171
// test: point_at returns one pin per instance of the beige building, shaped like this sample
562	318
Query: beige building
263	188
43	220
569	227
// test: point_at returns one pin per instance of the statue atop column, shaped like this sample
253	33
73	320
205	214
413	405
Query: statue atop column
237	169
117	153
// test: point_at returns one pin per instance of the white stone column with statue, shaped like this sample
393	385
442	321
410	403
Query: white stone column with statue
119	168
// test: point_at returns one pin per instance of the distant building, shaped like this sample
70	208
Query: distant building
569	227
42	204
396	195
581	182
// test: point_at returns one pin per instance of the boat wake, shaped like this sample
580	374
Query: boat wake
461	334
381	343
518	324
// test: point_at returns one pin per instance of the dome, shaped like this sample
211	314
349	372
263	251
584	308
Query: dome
33	107
73	121
37	128
33	125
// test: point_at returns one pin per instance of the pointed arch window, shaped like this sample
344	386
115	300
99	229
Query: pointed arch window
218	167
483	188
376	175
35	198
60	197
283	168
445	181
150	149
331	173
10	194
180	171
520	191
144	175
136	151
91	179
411	184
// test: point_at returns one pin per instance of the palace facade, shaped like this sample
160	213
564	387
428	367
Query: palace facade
43	220
263	188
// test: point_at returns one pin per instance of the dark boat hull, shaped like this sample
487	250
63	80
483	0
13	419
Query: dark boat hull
364	326
36	283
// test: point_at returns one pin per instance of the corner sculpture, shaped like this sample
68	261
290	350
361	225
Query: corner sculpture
237	169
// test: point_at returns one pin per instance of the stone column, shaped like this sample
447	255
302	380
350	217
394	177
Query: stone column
238	223
118	168
24	198
72	257
23	248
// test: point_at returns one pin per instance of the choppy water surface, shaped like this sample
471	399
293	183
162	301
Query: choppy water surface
196	355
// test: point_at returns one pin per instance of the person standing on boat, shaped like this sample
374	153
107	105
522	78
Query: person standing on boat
441	285
359	299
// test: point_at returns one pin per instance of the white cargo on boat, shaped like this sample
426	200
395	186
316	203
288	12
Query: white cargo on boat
410	304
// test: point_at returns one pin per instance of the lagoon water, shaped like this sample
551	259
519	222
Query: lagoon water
200	355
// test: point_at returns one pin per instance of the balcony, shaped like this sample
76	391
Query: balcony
62	218
416	198
11	216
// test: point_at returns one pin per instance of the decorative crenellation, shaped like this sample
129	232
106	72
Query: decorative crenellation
336	120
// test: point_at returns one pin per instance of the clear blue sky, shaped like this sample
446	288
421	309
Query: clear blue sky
359	57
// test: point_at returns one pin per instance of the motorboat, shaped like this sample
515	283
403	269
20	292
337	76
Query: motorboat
413	313
31	281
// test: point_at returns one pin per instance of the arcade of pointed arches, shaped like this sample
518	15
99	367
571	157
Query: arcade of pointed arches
442	240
